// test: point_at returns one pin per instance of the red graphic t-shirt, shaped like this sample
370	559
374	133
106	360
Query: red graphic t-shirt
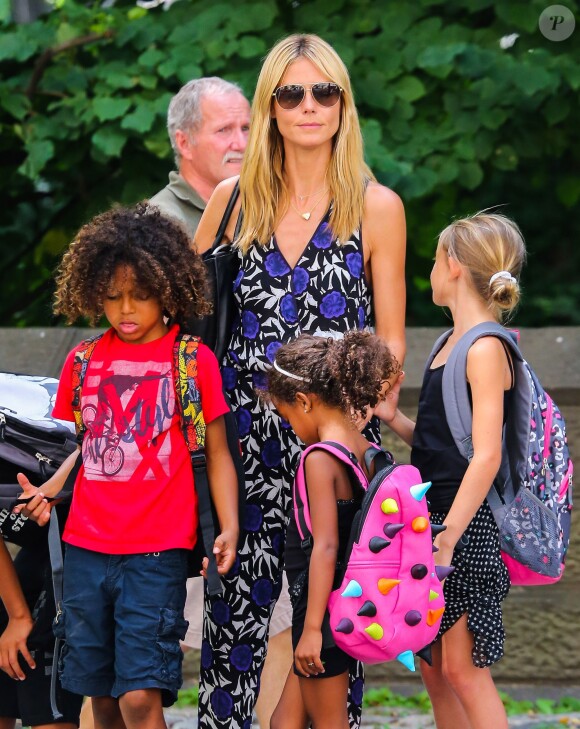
135	492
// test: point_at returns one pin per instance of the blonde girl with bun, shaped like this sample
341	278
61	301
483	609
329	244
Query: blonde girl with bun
476	276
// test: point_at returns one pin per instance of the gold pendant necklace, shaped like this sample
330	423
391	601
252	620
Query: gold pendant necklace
300	198
307	213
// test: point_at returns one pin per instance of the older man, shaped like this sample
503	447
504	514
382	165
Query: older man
208	122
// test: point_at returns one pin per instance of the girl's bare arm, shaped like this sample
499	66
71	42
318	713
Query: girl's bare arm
486	367
20	623
321	471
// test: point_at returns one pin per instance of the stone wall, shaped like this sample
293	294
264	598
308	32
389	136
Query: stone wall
554	353
542	623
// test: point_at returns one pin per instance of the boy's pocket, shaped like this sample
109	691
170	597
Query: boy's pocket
171	629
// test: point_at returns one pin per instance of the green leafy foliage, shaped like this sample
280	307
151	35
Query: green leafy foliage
385	697
539	706
188	697
452	121
419	702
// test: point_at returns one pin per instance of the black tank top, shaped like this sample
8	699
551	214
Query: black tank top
295	559
434	451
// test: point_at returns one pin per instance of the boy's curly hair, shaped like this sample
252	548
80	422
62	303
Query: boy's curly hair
344	373
156	247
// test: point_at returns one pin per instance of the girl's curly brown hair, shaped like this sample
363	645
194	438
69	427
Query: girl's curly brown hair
156	247
344	373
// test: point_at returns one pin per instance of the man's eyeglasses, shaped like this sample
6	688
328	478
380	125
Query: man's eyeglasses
292	95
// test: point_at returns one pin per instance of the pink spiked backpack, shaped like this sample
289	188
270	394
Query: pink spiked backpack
390	600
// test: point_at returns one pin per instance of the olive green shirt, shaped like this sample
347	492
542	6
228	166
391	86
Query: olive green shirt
179	200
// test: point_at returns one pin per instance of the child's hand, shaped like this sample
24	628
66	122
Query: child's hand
444	553
224	549
361	420
386	409
13	642
307	653
37	506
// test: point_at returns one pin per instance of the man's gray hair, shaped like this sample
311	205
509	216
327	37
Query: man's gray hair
185	107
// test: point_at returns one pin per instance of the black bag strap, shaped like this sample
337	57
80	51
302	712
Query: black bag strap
57	567
385	458
226	217
238	224
193	427
205	519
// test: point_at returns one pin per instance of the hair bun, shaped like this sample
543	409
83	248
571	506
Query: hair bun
504	290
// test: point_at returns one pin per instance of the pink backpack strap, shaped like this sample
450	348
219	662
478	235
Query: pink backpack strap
301	507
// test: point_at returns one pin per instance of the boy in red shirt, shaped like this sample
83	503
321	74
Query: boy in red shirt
134	510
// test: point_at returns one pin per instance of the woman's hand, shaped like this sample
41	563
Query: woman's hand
307	653
12	643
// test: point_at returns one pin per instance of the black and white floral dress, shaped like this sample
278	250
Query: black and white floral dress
325	293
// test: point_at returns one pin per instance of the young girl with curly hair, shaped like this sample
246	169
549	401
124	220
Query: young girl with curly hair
319	385
130	527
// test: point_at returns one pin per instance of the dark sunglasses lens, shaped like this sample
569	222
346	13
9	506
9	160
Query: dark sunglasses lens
326	94
290	96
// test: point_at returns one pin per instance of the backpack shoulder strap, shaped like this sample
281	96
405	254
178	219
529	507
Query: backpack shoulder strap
301	506
437	347
188	399
79	370
379	456
187	391
455	389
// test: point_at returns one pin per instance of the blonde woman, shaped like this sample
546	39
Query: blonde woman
322	251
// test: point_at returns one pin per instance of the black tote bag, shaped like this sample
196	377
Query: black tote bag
222	264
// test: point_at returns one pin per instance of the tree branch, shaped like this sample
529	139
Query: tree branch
46	57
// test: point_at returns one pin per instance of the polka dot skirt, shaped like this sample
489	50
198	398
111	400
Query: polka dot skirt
477	587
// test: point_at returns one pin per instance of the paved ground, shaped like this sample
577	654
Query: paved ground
387	718
402	719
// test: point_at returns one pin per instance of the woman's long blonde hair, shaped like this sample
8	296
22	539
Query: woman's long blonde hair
263	190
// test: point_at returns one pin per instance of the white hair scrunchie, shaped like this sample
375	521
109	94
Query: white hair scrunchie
502	274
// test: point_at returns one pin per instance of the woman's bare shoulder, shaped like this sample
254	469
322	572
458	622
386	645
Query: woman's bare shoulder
213	214
223	191
379	198
384	214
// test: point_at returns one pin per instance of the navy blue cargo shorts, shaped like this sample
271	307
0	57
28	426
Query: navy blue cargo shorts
122	621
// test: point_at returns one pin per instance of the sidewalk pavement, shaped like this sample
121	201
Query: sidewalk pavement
388	718
403	718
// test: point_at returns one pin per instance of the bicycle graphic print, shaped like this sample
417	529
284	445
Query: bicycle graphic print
112	456
113	426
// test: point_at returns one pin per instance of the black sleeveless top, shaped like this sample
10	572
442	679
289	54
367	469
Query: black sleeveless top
295	559
434	451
